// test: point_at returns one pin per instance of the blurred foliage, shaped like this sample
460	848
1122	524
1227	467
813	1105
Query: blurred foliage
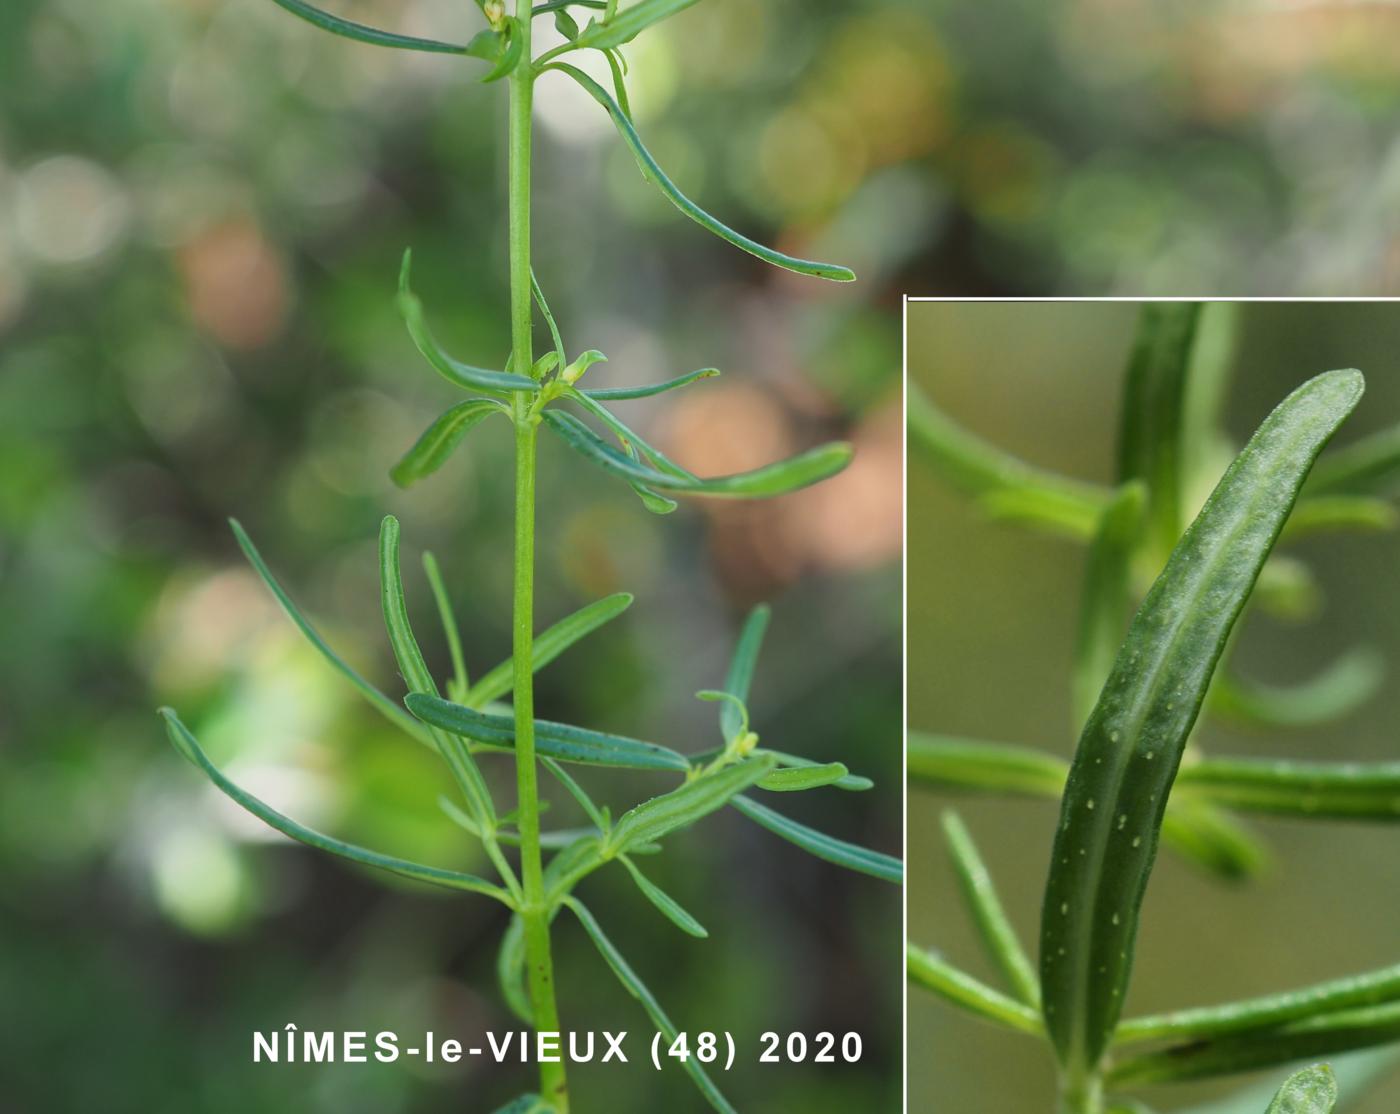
991	629
202	206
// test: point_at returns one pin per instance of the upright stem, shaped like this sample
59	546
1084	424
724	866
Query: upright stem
539	965
1081	1092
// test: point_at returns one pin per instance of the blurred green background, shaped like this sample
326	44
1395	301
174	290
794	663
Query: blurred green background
992	618
202	210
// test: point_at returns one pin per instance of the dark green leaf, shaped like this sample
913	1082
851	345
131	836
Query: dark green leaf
821	845
185	742
1128	754
566	24
775	479
360	33
733	719
668	905
552	740
638	990
655	174
454	371
439	440
693	801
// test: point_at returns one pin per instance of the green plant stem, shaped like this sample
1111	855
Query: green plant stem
534	912
1081	1093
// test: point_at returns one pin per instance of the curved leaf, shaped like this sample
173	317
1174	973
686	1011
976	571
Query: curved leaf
1335	692
655	174
1003	484
638	990
733	718
1128	754
360	33
454	371
510	970
823	846
774	479
439	440
185	742
850	782
798	779
553	740
621	394
668	905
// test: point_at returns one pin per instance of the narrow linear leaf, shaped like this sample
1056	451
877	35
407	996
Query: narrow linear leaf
535	283
560	741
1194	829
851	782
185	742
456	687
419	680
510	971
1337	790
557	839
1312	1090
1370	466
1154	399
1127	757
454	371
1203	441
733	718
798	779
585	802
1003	485
696	799
833	850
638	990
360	33
1335	692
503	49
438	442
619	79
622	394
1308	1039
1106	595
998	936
1373	988
653	172
669	907
932	972
384	704
788	475
549	644
1323	513
627	24
947	762
627	437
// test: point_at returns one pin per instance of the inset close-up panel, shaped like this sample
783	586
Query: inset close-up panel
1152	758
